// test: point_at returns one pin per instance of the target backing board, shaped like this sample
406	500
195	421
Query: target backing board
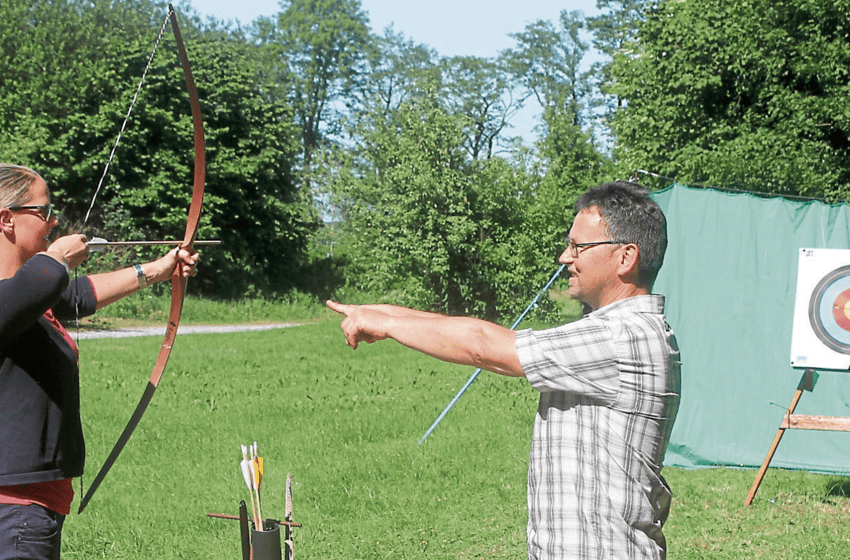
820	338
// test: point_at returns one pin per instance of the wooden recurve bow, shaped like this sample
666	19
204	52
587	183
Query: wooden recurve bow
178	283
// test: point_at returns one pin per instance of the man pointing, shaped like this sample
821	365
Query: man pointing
609	382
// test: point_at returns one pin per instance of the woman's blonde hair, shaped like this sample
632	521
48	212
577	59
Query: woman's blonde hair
15	183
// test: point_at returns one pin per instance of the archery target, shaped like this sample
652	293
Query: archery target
820	337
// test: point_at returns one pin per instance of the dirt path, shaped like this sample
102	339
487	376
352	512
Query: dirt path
160	331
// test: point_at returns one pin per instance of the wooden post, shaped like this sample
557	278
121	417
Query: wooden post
806	383
793	421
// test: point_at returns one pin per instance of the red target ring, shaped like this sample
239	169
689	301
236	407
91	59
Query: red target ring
841	310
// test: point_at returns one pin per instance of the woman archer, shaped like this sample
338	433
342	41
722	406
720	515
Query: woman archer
41	436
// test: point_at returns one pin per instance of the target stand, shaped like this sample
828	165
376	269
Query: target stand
820	338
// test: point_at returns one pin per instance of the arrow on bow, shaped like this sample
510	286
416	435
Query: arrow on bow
178	283
97	244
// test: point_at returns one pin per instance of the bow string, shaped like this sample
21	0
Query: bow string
178	283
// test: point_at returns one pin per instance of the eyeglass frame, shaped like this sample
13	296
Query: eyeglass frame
41	209
574	247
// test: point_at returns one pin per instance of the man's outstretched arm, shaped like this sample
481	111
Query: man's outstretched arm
460	340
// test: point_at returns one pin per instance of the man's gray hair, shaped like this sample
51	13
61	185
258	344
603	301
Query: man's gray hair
631	215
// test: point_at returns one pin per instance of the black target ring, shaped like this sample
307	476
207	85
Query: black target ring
832	334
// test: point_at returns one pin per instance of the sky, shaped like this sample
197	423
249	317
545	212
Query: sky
451	27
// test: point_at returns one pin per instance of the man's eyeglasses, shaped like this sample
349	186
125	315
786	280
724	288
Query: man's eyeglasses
574	247
45	210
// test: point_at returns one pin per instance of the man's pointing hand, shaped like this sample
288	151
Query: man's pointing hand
361	324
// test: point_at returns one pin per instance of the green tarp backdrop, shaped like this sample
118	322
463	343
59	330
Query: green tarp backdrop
729	277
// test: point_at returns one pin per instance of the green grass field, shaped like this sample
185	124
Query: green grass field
346	425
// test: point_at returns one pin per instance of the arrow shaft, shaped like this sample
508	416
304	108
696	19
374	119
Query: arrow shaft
174	242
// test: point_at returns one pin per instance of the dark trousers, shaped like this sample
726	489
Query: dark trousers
29	533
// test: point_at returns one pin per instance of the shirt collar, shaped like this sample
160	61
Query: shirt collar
651	303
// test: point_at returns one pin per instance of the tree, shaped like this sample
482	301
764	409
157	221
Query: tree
57	68
316	54
431	228
63	104
618	26
475	88
252	201
255	202
611	31
480	90
546	60
399	71
743	95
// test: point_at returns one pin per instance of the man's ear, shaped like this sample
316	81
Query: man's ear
629	266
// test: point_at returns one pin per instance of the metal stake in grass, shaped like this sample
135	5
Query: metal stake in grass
477	371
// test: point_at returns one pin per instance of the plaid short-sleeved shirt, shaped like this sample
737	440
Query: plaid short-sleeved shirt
609	392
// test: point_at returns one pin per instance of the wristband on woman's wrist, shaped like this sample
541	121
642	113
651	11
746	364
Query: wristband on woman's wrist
140	276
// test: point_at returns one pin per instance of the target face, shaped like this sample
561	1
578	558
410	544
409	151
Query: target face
829	310
821	334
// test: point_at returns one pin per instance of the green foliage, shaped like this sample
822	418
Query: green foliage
66	91
612	29
311	78
479	90
617	26
316	50
469	233
430	228
547	59
251	201
400	70
257	205
751	95
345	425
58	68
574	164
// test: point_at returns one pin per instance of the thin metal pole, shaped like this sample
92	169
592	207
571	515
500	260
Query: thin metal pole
477	371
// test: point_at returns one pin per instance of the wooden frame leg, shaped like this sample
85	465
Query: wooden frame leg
806	383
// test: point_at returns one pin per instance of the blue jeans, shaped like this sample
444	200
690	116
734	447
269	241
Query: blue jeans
29	533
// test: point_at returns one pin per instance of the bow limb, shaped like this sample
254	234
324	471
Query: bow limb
198	124
178	282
